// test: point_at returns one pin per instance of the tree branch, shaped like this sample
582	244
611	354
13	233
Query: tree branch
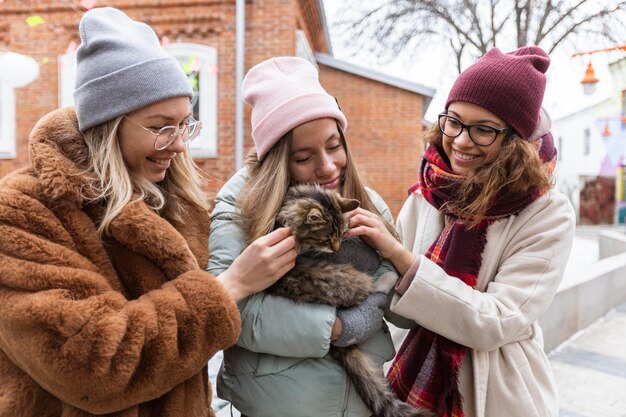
573	28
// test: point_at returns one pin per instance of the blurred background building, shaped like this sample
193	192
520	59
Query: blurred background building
592	149
215	42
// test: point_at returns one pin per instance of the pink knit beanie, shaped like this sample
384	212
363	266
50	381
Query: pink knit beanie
284	93
511	86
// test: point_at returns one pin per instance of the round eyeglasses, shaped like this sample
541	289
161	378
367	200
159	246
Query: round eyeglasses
166	135
481	135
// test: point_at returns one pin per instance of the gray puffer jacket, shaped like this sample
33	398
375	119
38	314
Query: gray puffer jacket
280	366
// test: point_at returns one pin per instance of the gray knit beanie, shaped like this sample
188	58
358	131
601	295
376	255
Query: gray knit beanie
121	67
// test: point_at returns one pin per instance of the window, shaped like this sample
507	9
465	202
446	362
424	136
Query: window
7	121
586	142
67	79
200	64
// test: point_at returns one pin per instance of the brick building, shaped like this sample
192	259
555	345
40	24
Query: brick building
384	113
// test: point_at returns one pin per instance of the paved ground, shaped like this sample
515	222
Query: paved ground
590	369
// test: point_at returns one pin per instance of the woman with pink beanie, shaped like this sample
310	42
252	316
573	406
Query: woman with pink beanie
280	366
485	242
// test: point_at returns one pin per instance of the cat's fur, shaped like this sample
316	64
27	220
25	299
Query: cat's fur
325	275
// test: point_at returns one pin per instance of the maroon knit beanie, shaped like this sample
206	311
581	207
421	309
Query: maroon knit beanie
511	86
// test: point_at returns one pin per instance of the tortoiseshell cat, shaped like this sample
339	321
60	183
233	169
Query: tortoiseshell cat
324	274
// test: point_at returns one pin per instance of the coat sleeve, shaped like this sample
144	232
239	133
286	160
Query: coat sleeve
529	273
269	323
66	323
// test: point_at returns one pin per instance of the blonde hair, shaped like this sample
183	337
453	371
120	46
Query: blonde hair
268	180
115	186
517	169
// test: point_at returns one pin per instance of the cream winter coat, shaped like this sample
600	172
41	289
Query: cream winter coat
523	264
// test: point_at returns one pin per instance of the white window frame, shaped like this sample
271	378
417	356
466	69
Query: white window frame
205	145
7	122
67	79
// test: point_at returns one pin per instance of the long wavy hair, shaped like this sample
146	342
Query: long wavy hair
517	169
115	186
268	180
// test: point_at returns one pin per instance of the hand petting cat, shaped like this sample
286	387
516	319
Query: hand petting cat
371	229
261	264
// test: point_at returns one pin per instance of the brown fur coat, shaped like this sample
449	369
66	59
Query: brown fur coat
122	327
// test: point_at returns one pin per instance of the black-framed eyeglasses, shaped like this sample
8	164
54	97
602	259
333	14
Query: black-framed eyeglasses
166	135
481	135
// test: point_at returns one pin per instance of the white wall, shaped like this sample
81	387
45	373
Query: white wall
575	158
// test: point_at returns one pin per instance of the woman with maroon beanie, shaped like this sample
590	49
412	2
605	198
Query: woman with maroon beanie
485	242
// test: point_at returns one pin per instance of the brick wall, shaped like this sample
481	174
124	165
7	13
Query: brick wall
384	131
43	42
311	23
384	121
269	32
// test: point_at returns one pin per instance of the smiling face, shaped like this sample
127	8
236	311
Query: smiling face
137	144
317	154
464	155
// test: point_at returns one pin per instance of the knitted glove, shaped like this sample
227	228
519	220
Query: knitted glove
362	321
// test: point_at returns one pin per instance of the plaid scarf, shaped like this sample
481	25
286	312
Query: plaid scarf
425	371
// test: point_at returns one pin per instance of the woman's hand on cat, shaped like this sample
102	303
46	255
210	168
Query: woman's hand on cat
261	264
373	231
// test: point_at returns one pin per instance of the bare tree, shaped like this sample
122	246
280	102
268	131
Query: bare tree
471	27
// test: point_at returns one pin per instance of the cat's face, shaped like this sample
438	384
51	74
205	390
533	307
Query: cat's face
316	217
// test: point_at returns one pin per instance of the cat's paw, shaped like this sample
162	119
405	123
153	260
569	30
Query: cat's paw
386	282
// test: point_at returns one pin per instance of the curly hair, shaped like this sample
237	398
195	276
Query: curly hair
517	169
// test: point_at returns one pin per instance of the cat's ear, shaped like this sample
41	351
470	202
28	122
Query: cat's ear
348	204
314	216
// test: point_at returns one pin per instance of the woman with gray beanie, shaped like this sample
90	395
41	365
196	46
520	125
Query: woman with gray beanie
106	304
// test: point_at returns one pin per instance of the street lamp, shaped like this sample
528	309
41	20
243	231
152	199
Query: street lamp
606	132
590	80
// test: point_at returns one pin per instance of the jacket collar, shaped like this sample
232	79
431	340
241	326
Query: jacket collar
59	157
